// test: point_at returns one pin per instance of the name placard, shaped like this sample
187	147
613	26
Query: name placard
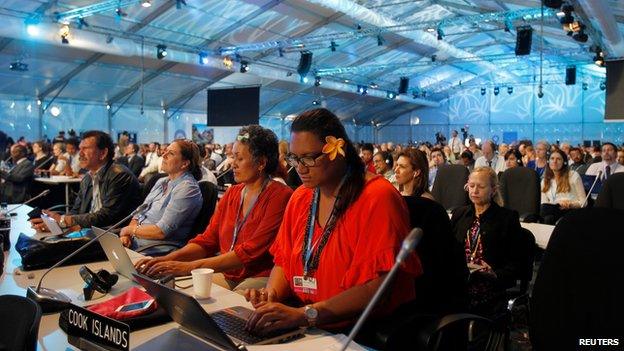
97	328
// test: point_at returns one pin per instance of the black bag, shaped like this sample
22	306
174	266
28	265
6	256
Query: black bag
41	254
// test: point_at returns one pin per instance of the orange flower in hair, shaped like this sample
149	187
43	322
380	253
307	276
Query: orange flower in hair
333	147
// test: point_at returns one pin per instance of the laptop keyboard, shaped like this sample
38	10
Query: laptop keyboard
235	327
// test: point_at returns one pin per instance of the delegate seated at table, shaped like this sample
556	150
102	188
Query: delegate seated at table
108	192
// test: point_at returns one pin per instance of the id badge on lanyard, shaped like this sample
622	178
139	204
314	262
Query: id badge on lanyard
306	285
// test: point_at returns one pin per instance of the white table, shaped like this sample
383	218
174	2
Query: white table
56	180
67	280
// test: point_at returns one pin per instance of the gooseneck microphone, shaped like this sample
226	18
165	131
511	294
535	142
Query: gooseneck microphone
42	194
592	188
45	162
409	244
51	300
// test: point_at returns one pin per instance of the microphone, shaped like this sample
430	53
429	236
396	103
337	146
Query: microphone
224	172
409	244
592	188
51	300
42	194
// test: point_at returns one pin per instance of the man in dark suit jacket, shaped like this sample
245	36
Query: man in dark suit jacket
17	181
108	192
133	160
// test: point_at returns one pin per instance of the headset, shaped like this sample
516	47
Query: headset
102	281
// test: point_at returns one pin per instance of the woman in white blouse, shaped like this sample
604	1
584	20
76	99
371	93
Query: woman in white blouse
562	186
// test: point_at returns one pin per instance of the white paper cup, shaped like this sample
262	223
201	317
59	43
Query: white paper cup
202	282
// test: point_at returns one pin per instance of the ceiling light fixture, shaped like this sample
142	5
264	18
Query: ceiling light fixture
161	51
244	67
146	3
64	32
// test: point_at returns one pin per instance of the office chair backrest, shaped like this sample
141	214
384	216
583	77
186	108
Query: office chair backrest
209	203
579	289
612	193
448	187
19	324
151	181
520	189
528	244
465	332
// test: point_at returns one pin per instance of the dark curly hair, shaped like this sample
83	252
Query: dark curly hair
262	142
322	123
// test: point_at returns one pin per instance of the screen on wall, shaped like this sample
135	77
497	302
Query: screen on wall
233	107
614	109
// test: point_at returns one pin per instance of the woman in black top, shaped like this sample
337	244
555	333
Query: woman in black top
491	237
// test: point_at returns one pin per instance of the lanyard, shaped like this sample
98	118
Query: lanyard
308	246
238	225
473	242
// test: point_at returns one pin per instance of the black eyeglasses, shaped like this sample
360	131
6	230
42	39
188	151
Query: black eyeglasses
307	161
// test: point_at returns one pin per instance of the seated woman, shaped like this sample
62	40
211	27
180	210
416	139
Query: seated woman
412	173
341	233
491	237
41	158
244	224
60	161
513	159
562	189
174	201
540	163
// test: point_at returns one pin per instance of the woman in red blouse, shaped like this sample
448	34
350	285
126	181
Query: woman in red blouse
340	235
244	224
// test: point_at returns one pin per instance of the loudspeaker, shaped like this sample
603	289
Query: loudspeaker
570	75
305	63
524	38
553	4
403	85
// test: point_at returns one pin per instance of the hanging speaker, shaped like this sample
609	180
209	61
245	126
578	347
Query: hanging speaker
524	38
570	75
403	85
305	63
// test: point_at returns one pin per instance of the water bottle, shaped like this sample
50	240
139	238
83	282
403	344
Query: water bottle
5	226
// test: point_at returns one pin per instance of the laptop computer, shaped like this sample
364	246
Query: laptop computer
224	328
116	253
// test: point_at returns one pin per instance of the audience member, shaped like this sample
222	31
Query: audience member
502	149
412	173
205	151
16	182
367	156
155	164
60	138
455	144
562	189
491	237
384	165
42	158
173	203
244	224
620	157
132	159
608	165
73	158
108	192
541	158
438	159
60	160
490	158
467	159
513	158
355	249
576	158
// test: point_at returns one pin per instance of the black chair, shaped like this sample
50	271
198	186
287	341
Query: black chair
520	189
209	203
579	287
448	187
583	169
19	325
612	193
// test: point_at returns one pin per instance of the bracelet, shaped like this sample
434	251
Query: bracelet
134	231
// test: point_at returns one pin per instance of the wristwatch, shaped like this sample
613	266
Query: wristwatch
62	223
311	315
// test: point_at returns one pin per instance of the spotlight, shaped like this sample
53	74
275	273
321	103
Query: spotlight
120	12
380	40
440	34
584	86
603	85
228	63
374	85
553	4
32	26
496	91
423	94
333	46
18	66
431	30
82	23
434	58
161	51
540	92
362	89
599	59
509	90
305	63
244	67
179	3
317	81
315	102
64	32
391	95
203	58
483	91
55	111
403	85
109	39
567	15
581	36
108	106
303	79
146	3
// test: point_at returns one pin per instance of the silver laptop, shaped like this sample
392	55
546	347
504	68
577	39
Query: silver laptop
116	253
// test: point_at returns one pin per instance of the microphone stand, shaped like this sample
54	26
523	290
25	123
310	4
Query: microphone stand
51	300
43	193
408	246
592	188
45	162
